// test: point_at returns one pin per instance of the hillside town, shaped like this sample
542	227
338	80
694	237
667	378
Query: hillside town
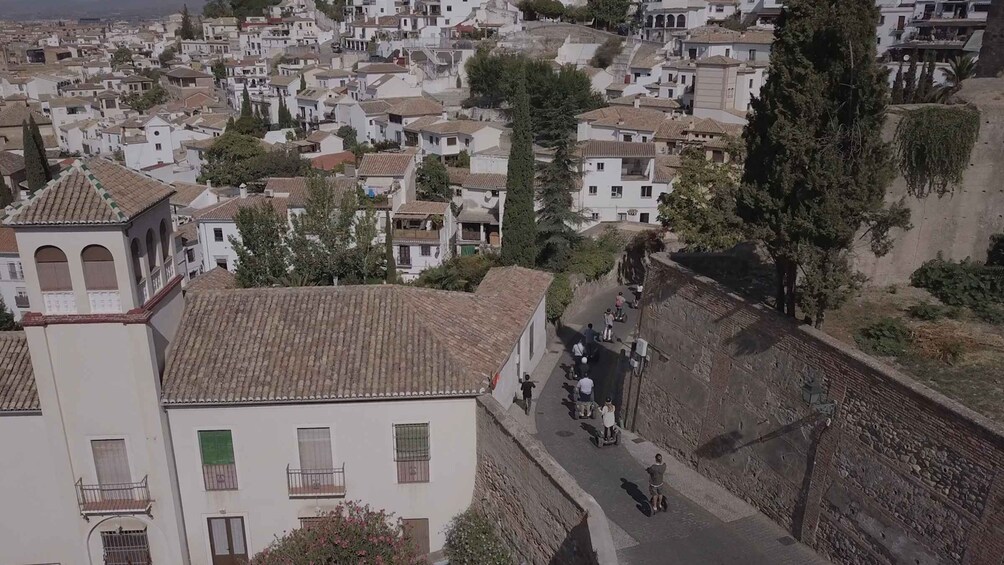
474	277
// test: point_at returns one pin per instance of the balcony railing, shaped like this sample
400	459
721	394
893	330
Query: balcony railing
470	235
221	476
21	302
430	235
59	302
119	498
104	301
144	291
315	483
156	280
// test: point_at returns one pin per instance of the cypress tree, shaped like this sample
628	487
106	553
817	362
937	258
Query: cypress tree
285	118
303	83
6	196
897	86
926	86
245	103
35	166
556	219
7	321
817	168
40	143
910	82
391	277
519	228
186	31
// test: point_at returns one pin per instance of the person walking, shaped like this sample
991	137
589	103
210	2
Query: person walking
609	419
656	476
590	336
619	307
608	326
578	354
527	386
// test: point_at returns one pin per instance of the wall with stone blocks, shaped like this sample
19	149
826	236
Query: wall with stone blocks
539	508
900	474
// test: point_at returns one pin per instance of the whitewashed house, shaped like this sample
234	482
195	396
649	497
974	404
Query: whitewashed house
621	182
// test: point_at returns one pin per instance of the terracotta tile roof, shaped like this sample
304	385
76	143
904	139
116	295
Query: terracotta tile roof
457	175
627	117
424	121
8	243
596	148
186	192
226	211
380	68
719	60
385	164
187	232
314	344
466	127
14	115
646	102
17	379
417	106
92	191
216	279
423	208
484	181
332	160
296	188
185	72
666	168
10	163
671	130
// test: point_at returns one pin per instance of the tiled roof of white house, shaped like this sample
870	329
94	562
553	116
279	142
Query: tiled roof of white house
303	344
625	149
380	68
17	379
385	164
92	191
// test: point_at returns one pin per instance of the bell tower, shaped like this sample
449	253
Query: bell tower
97	248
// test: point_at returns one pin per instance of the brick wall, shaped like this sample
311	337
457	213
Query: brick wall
900	474
539	508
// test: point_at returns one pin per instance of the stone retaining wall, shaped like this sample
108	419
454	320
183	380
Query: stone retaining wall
541	511
900	474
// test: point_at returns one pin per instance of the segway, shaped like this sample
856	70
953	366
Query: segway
603	441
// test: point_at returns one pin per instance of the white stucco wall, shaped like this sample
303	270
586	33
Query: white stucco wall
520	359
265	442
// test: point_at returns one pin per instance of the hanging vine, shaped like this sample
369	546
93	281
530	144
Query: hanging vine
933	145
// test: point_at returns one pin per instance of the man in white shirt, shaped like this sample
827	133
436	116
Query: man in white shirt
584	396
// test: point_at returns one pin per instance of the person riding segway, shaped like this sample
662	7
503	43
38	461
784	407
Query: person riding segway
619	315
611	433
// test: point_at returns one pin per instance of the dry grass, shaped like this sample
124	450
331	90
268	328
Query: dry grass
962	359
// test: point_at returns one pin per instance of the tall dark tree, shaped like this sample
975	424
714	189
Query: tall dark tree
245	103
7	321
897	86
187	31
40	143
432	180
519	227
285	118
925	88
6	195
910	80
35	164
303	83
391	277
817	168
556	218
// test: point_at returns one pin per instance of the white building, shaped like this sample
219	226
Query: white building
621	181
12	286
155	429
217	228
422	236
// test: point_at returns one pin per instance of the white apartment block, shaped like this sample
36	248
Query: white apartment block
621	182
12	285
143	433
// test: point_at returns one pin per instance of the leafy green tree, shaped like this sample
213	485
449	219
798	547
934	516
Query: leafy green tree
187	30
167	55
219	70
959	69
262	255
817	169
607	52
701	210
322	234
910	81
463	273
473	539
121	56
608	13
6	196
7	321
389	250
141	102
228	159
463	160
348	135
519	229
432	180
897	86
35	164
366	259
556	218
217	9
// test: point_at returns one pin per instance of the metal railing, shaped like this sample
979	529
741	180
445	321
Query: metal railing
117	498
21	302
470	235
222	476
404	233
313	483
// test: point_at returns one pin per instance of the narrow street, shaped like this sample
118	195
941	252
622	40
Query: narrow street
705	523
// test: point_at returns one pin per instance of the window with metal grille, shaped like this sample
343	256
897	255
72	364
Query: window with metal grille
125	547
411	452
219	470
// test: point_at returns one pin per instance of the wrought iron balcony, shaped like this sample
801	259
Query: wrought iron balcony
111	499
315	483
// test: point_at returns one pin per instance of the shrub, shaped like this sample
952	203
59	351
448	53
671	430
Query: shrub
990	314
594	258
463	273
887	336
471	539
927	311
352	533
559	296
961	284
606	53
995	254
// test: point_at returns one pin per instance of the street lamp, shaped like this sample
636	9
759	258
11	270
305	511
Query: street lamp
814	395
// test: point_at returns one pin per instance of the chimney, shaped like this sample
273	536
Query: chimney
209	184
244	190
637	102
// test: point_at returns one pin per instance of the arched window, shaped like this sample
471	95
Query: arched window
151	250
681	21
53	270
99	268
165	241
659	20
137	263
649	22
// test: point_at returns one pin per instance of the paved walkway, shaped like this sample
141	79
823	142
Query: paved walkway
705	524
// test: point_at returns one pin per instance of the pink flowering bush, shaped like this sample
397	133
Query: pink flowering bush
351	534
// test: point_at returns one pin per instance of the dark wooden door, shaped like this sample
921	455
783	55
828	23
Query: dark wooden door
227	541
417	530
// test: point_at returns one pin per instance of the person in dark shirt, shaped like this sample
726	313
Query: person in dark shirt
656	474
527	388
